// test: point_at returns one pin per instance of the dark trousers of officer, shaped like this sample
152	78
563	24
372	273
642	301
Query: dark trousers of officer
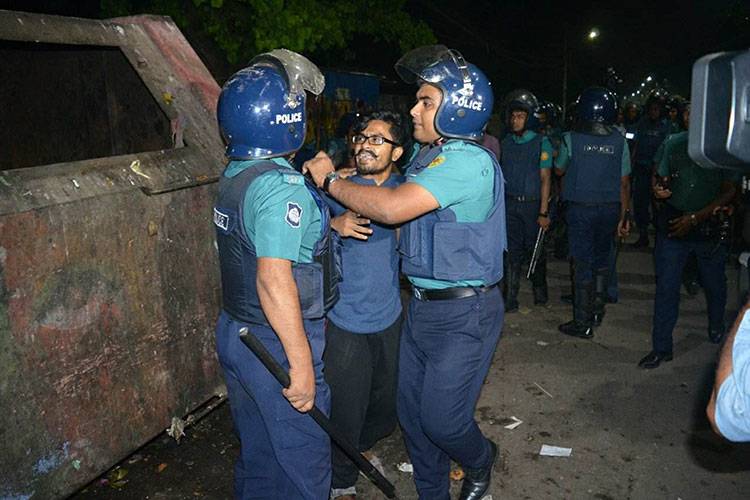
670	258
361	371
284	454
642	174
591	230
612	292
522	231
446	350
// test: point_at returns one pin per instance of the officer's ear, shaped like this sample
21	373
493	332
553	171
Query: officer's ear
396	153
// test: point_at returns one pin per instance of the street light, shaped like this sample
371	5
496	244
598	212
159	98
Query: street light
648	79
593	34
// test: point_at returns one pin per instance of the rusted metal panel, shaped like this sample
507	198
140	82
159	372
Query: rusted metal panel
109	289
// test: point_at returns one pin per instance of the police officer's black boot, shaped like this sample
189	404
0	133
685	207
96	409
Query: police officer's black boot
601	283
539	282
581	326
512	285
477	481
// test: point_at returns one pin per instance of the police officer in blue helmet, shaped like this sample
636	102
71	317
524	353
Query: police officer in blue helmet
596	163
452	242
275	250
527	167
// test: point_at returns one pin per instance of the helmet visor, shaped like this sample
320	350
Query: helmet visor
301	74
413	65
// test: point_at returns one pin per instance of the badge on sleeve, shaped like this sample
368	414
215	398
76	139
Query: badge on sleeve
437	161
545	156
293	214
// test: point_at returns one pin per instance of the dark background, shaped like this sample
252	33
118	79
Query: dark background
520	44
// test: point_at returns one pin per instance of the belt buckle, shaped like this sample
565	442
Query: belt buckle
418	293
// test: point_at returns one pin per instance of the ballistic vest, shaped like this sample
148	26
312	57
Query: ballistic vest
436	246
521	167
649	137
317	281
595	169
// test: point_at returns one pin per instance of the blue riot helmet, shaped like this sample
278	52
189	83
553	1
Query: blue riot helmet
261	108
597	104
523	100
467	93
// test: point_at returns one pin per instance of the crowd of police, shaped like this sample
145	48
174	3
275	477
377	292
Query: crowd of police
311	257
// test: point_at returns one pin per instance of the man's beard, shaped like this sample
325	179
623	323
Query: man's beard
364	170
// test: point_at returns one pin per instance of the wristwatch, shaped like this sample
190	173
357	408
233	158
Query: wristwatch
544	214
331	177
693	220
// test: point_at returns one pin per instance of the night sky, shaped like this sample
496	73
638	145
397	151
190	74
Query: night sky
520	44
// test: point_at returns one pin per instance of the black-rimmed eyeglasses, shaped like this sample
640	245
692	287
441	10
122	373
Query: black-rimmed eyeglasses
375	140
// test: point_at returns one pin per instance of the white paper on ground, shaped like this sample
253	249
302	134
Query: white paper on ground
516	423
405	467
555	451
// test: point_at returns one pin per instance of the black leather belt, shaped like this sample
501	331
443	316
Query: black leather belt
598	204
456	292
521	198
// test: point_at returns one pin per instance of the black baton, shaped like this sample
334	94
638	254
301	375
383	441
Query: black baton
278	372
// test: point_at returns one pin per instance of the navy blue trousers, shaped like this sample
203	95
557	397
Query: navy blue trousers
642	174
446	351
522	229
284	454
670	257
591	230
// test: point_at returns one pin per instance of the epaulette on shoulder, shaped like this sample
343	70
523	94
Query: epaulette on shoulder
293	178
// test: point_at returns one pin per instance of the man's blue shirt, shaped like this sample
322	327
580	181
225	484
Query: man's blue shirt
370	300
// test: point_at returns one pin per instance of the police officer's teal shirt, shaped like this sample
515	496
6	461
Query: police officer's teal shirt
564	154
460	178
545	154
282	219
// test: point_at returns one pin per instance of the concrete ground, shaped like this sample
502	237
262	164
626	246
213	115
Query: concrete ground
634	434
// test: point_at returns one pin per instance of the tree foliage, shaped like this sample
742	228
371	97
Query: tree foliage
244	28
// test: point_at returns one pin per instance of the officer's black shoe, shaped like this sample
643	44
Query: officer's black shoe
511	307
692	288
477	481
716	335
642	241
654	359
611	300
568	298
597	318
576	329
540	295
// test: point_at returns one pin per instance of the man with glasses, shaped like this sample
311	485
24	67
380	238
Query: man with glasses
452	252
362	334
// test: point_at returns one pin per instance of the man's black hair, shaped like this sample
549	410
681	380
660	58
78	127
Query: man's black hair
398	130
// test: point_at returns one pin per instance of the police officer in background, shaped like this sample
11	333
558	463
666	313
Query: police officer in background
691	195
527	163
451	251
275	247
651	131
596	163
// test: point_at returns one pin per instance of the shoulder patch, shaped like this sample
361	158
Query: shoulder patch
437	161
293	179
544	156
293	214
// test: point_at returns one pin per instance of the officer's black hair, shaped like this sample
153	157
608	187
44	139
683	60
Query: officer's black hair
398	130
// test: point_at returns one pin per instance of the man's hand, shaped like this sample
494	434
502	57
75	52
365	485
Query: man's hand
661	192
319	166
301	390
680	226
544	222
623	228
347	172
351	225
